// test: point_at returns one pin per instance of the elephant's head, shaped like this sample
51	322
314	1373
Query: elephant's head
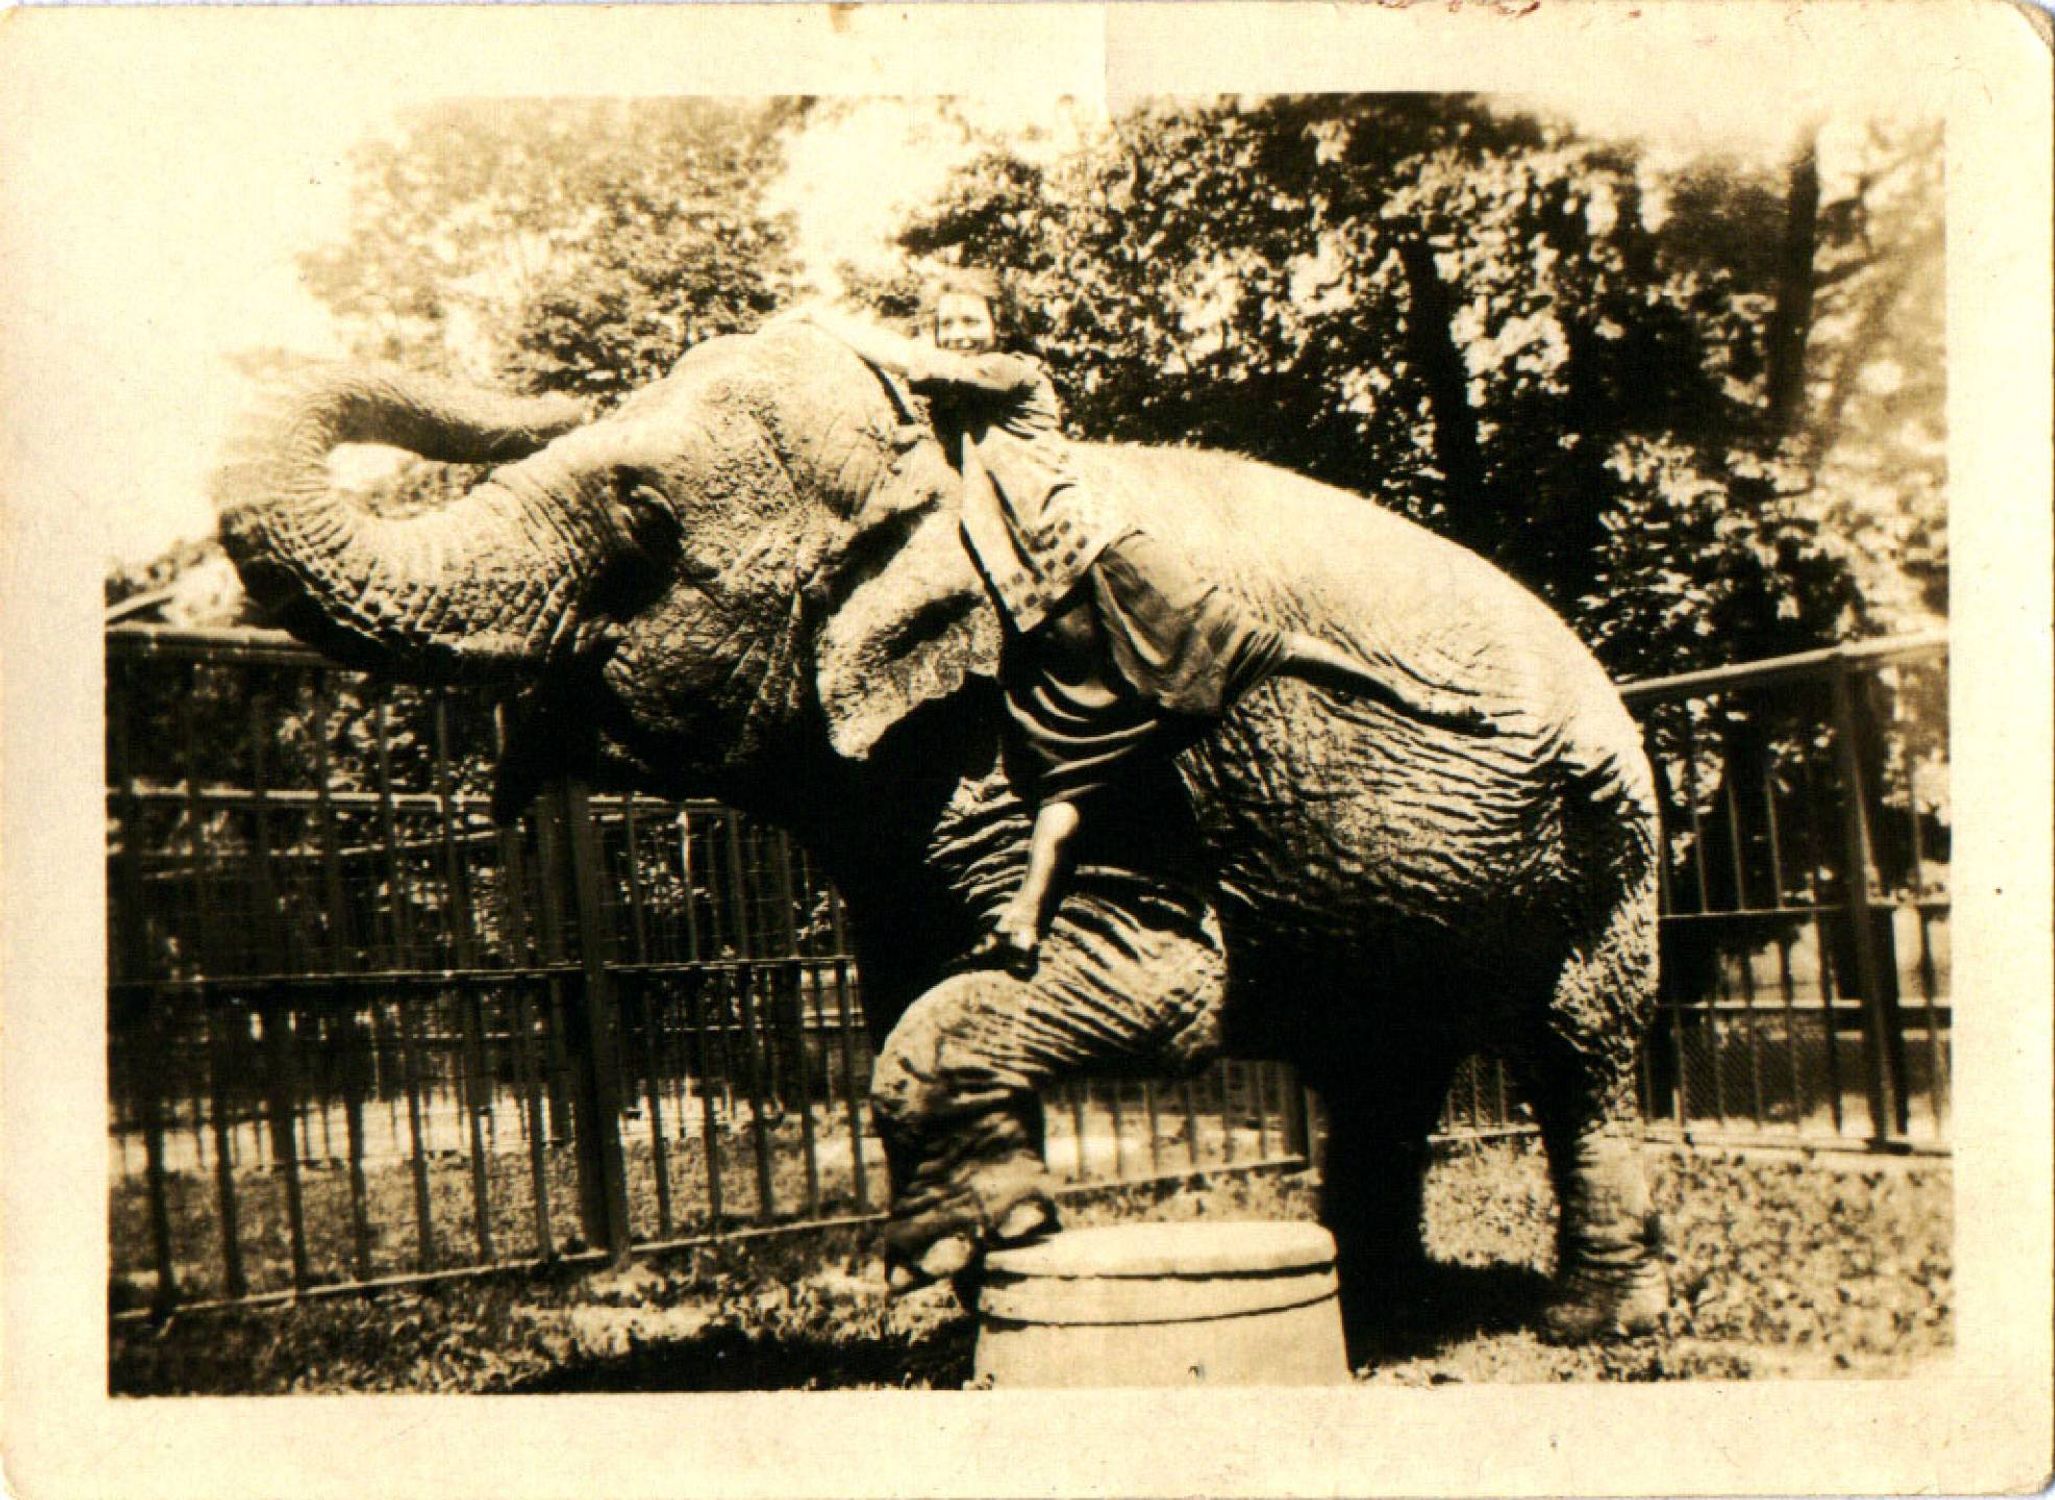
751	561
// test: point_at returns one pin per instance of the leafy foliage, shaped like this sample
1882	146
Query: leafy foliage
1542	346
579	246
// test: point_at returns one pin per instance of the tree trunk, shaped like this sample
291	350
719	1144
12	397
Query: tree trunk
1457	452
1791	318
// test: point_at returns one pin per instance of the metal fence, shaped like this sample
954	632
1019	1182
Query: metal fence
1805	898
359	1033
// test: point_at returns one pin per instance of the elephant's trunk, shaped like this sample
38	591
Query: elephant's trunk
479	587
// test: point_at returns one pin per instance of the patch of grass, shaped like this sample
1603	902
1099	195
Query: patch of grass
1778	1268
393	1239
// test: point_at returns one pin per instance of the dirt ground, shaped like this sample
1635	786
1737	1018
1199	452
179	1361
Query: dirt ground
1780	1267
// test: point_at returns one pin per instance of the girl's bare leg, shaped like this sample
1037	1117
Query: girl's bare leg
1017	931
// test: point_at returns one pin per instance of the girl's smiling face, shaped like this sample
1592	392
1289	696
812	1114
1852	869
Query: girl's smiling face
963	323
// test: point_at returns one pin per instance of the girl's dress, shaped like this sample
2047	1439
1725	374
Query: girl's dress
1183	649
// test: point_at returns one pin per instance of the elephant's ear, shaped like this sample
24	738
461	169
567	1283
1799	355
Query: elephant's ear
905	618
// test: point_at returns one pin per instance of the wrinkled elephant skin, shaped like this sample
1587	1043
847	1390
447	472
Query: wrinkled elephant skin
747	581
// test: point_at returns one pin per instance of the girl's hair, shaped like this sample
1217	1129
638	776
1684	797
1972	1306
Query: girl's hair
975	281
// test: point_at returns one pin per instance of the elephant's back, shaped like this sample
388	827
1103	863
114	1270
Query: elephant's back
1326	560
1339	821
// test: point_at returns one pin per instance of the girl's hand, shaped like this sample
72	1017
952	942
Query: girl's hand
1012	942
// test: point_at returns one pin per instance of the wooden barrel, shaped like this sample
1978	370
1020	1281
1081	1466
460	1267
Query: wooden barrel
1164	1304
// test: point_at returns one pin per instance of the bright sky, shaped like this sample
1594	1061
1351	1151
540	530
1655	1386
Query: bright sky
138	294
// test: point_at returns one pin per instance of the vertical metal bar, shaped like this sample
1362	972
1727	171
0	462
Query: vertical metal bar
518	937
157	1179
640	922
132	955
1937	1068
788	907
606	1194
398	890
1298	1117
709	1133
1154	1116
475	1092
1829	970
1937	1055
1224	1078
1715	1044
1774	828
474	1096
221	1068
209	957
693	949
1188	1096
738	888
1073	1090
538	1121
270	937
281	1071
759	1122
1258	1076
1118	1125
1787	990
282	1077
1748	1021
1735	846
342	948
1691	811
652	1026
410	1069
652	1098
1746	954
356	1045
1651	746
740	937
549	919
851	1102
809	1146
1884	1107
1673	1013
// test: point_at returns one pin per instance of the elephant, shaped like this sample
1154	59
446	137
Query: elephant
746	581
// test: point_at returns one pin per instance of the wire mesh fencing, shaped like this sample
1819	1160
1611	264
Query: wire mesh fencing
359	1032
1805	902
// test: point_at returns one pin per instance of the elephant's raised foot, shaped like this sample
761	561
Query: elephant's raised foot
1588	1305
948	1241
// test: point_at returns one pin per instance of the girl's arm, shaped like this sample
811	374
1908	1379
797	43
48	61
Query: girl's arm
922	363
872	344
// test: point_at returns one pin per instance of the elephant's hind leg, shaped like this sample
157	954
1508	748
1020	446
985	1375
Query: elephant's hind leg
1579	1078
1373	1188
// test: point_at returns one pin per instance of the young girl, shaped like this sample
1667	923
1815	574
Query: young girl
1111	635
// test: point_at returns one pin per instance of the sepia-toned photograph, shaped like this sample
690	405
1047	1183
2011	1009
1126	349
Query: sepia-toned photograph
891	729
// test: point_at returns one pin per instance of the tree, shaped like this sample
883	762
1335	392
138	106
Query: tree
1473	314
563	245
1674	398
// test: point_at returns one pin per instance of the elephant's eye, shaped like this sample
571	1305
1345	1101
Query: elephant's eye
642	516
644	555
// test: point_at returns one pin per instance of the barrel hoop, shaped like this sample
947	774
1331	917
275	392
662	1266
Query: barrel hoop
1083	1302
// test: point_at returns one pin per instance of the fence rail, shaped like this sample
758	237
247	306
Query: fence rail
360	1034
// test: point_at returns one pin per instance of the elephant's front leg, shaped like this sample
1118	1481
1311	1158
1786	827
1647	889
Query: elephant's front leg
955	1093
